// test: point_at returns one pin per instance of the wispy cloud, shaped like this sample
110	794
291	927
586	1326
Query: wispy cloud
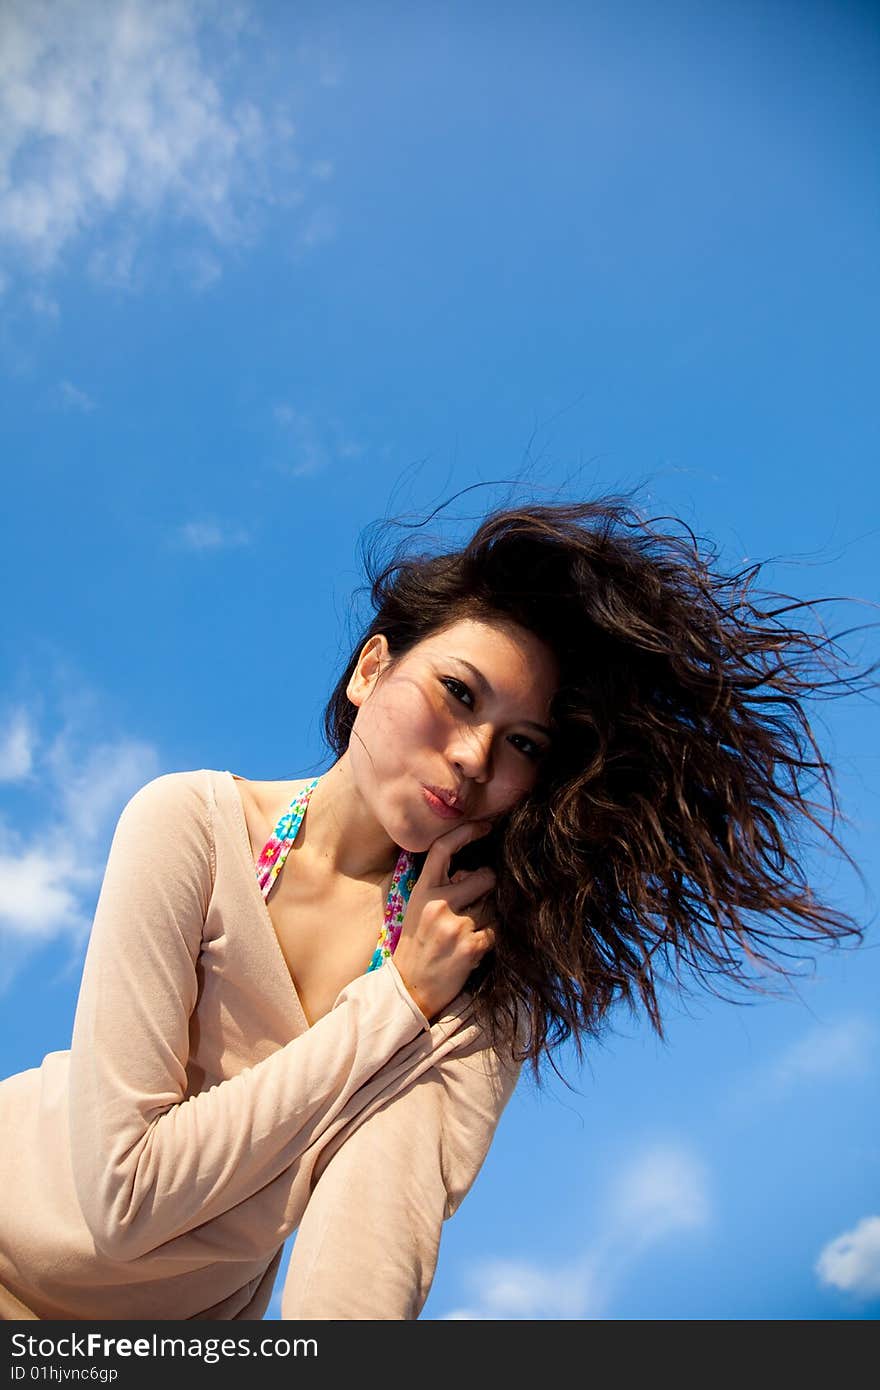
844	1048
71	787
17	742
840	1050
202	268
39	899
520	1289
113	115
210	535
72	398
114	263
44	304
310	445
92	783
660	1193
326	64
318	227
851	1262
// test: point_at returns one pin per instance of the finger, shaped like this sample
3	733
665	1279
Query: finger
462	875
484	939
483	914
468	886
435	873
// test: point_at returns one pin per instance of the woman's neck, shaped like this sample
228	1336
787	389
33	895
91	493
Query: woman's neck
340	833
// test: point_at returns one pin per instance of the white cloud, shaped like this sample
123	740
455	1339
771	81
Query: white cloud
112	115
93	784
838	1051
521	1289
844	1048
72	398
44	304
17	741
312	445
318	228
38	897
851	1262
308	452
210	535
113	263
203	268
662	1192
326	64
77	787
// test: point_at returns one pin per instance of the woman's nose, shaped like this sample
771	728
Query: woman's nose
472	751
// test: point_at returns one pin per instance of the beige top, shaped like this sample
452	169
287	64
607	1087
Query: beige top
154	1170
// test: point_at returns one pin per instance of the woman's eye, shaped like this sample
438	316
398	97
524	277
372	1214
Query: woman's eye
456	687
532	749
527	746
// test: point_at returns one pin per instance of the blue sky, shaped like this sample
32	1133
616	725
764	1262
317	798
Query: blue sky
270	272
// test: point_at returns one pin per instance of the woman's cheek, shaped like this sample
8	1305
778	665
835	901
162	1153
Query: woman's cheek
424	712
511	787
401	727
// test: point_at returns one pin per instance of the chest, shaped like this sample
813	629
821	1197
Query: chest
327	937
326	927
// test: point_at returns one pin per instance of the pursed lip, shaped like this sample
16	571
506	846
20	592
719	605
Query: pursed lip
451	799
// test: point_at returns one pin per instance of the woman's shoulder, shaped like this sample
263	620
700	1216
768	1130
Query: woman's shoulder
165	829
172	798
192	795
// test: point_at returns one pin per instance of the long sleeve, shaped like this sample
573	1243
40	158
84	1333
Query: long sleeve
150	1163
368	1242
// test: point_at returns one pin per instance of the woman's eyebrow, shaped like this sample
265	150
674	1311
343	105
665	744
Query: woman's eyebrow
486	687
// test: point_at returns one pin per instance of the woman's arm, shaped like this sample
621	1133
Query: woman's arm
367	1244
149	1165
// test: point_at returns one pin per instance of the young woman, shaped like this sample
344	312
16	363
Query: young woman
569	759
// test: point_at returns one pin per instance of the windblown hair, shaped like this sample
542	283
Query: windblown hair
661	841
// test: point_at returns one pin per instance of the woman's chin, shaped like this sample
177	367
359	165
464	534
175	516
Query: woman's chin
417	839
415	843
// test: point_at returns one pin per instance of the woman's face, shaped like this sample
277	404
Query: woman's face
465	714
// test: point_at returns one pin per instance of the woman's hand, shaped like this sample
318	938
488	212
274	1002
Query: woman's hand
445	931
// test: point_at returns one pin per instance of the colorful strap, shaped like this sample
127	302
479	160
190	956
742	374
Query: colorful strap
402	883
277	848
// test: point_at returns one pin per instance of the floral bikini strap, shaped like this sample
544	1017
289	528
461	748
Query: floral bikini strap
402	884
277	848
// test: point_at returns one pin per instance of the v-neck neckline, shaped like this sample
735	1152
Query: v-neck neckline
263	906
245	840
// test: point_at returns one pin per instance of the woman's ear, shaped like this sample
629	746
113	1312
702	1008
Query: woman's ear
374	657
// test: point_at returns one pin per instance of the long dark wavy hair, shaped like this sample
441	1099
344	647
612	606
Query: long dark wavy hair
662	841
